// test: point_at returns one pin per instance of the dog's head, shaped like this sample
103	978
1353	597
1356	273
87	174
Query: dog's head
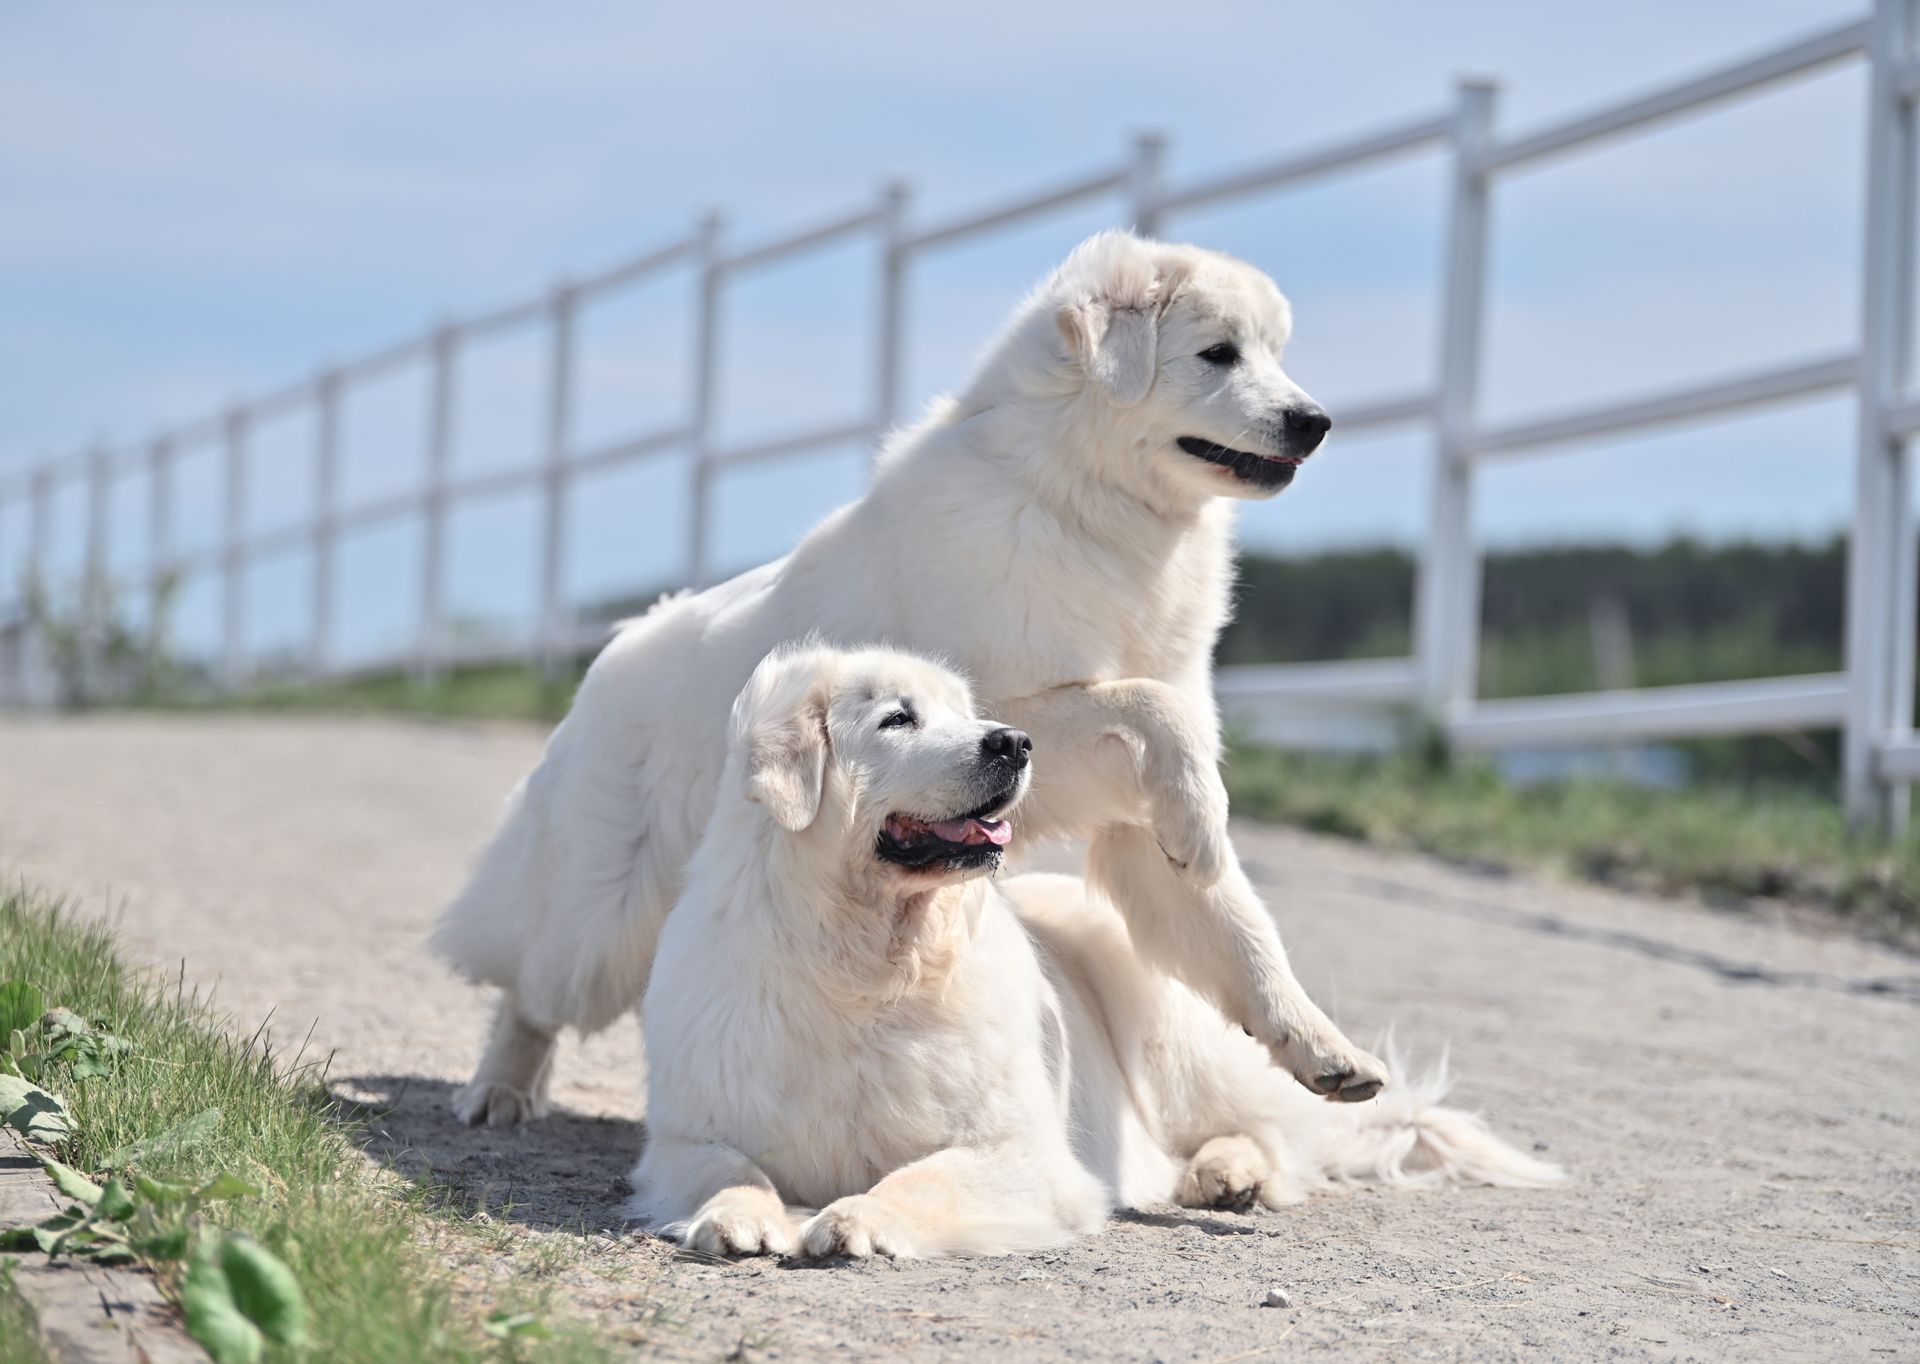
876	760
1176	353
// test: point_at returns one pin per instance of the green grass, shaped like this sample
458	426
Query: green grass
19	1342
1722	840
510	691
355	1236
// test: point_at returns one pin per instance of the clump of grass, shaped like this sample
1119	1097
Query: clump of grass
514	691
1720	840
19	1341
354	1236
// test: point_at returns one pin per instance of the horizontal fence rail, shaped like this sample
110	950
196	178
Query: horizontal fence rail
1636	411
1871	701
1698	710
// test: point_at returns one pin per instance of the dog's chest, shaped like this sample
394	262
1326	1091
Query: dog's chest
1104	611
888	1094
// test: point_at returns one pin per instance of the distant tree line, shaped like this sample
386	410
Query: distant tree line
1574	617
1695	612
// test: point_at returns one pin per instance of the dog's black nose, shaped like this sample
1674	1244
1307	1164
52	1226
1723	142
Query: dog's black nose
1307	425
1010	745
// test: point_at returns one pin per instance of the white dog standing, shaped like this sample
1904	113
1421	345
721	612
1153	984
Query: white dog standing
1063	530
850	1016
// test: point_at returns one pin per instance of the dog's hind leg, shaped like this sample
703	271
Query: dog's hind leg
1220	940
1235	1173
510	1085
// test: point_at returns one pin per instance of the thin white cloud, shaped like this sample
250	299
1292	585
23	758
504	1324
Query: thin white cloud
207	199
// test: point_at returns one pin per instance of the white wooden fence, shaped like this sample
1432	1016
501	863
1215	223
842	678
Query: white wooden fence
1871	701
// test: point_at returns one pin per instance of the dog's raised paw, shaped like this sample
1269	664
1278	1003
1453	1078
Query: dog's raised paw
481	1104
1346	1087
858	1226
1337	1073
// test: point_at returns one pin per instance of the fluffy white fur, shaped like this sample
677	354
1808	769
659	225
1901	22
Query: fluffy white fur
1045	530
937	1064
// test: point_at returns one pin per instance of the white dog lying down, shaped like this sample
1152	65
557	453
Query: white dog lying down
1063	529
850	1016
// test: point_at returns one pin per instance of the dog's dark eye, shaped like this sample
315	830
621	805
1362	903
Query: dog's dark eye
898	719
1226	353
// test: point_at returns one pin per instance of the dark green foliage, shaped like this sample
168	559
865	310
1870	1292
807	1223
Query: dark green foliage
1695	612
1723	841
1698	613
1341	604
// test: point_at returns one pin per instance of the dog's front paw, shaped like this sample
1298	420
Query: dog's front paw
483	1103
858	1226
741	1222
1331	1067
1190	820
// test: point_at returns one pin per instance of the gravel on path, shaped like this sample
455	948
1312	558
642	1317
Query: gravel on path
1736	1095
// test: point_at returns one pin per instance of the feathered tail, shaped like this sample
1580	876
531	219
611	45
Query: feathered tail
1407	1139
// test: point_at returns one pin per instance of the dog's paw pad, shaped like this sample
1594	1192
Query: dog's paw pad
1335	1074
1346	1086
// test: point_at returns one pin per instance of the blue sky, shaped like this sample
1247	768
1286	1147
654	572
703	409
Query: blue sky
208	200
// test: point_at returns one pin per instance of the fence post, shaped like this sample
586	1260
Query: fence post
553	614
326	483
233	635
432	643
1905	558
1880	562
706	348
99	485
12	634
1446	626
96	600
39	548
40	531
159	551
1146	185
889	353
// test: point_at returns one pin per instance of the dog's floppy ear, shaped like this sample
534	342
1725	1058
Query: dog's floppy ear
1115	297
1118	347
783	722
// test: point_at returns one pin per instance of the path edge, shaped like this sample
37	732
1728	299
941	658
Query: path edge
84	1313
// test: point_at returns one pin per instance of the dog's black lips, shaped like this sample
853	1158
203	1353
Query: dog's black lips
930	850
1263	471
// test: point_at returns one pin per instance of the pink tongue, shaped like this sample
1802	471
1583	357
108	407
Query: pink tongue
974	830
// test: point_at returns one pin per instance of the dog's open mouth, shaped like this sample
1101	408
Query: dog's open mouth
1263	471
970	840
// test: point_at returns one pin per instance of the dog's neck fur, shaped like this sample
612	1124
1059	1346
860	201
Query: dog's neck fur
876	937
886	937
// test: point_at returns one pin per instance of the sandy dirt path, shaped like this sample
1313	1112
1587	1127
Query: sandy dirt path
1737	1097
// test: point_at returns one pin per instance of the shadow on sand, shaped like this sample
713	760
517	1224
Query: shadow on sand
568	1172
565	1173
